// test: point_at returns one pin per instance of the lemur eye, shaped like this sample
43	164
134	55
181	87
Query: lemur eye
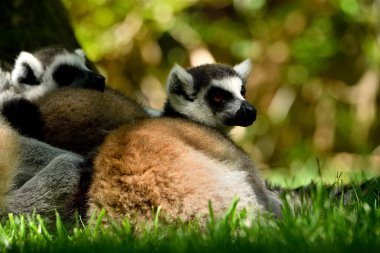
65	75
243	91
218	98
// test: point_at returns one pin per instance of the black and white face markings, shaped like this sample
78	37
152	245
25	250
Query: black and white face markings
36	74
212	94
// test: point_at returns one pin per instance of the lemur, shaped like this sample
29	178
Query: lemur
79	119
35	176
36	74
30	170
180	161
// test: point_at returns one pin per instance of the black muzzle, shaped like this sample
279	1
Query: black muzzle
245	116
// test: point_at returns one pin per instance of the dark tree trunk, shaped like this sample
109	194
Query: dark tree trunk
33	24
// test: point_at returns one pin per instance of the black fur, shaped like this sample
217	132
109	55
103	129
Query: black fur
24	116
81	199
28	76
65	74
216	105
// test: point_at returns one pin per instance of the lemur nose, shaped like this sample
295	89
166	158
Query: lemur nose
99	79
99	82
246	115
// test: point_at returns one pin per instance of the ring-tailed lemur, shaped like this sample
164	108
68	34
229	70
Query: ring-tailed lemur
34	75
37	176
29	176
80	119
176	163
180	162
87	116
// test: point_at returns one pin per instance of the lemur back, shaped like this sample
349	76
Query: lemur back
79	119
181	161
177	165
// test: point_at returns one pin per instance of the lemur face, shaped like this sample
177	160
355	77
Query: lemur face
51	68
212	94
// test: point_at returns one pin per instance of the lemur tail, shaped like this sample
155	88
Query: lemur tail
9	158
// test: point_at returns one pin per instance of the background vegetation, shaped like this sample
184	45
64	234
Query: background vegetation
315	80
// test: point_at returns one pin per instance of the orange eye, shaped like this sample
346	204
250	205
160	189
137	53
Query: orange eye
218	98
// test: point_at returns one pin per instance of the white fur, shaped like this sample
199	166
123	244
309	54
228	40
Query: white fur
198	110
244	68
19	70
47	83
232	84
80	52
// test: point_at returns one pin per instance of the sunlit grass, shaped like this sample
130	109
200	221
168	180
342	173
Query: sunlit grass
326	225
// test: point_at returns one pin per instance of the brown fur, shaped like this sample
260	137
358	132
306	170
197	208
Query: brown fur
170	163
9	158
79	119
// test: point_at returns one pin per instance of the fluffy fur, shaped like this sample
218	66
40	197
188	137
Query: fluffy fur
79	119
177	165
45	179
211	94
9	158
183	160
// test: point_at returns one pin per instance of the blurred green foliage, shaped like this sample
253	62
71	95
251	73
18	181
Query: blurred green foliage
316	68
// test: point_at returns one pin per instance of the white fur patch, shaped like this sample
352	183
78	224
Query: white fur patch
19	69
80	52
48	84
232	84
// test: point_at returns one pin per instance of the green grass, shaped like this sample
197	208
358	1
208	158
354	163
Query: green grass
326	225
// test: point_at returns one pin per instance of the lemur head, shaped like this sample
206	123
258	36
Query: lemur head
211	94
50	68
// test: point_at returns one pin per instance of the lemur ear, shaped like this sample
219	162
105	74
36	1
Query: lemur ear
27	70
80	53
180	79
244	68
